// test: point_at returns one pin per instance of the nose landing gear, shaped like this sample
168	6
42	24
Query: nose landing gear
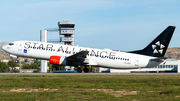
16	60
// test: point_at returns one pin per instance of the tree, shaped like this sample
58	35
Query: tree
57	67
4	67
37	62
32	66
36	71
26	66
12	64
15	70
26	60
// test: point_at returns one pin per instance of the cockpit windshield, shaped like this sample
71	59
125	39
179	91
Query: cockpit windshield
11	44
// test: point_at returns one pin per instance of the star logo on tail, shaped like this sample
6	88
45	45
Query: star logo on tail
158	48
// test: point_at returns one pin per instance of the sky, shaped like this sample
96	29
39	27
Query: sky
124	25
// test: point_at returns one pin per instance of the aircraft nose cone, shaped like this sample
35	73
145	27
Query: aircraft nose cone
4	48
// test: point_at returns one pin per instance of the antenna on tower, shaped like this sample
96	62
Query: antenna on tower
67	19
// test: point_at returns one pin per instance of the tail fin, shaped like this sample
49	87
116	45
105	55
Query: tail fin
158	47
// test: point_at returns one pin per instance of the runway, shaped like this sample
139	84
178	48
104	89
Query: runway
89	73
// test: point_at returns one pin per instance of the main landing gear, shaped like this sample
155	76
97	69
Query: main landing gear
79	69
86	70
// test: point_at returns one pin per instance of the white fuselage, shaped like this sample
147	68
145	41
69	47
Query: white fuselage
95	57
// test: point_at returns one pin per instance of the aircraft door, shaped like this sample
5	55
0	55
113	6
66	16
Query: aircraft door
20	47
137	61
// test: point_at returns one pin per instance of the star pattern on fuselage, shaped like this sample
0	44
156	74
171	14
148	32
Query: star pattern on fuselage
158	48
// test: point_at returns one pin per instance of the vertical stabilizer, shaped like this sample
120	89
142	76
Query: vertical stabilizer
158	47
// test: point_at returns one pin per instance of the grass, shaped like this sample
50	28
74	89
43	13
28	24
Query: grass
90	87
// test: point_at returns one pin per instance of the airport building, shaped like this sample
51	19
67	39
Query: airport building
171	65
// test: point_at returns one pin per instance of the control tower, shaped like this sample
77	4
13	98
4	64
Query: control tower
66	28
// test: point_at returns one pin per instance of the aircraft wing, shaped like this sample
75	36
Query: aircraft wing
159	59
81	54
78	57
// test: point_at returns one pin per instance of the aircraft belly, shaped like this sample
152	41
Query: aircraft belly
114	63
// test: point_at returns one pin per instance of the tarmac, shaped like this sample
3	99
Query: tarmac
89	73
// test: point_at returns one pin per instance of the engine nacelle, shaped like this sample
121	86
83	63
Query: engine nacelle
58	60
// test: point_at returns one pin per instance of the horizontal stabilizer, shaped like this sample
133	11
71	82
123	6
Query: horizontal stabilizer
159	59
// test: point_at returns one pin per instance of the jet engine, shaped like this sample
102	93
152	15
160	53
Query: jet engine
58	60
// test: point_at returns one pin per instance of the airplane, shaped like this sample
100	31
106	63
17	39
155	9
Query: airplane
66	55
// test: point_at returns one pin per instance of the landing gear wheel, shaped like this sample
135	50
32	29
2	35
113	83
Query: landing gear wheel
79	70
16	61
86	70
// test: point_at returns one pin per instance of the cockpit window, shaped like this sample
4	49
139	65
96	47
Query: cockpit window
11	44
